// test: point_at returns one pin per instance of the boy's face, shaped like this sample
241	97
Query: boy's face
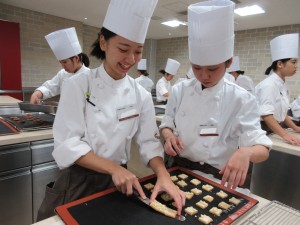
209	76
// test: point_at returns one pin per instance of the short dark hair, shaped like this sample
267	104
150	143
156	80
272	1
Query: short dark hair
96	51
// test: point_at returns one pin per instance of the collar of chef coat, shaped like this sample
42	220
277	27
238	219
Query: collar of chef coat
198	87
277	78
109	80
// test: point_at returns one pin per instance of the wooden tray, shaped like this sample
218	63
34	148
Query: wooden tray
113	208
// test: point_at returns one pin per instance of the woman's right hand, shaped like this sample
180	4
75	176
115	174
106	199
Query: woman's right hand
173	145
291	139
36	97
125	181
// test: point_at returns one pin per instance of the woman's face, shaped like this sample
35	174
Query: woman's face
169	77
209	76
289	68
71	65
120	55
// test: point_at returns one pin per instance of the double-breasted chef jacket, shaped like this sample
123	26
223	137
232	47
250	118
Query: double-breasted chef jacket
226	108
273	97
163	86
52	87
117	111
245	82
146	82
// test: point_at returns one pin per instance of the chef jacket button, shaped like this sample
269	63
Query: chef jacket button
205	144
128	137
201	163
217	97
212	120
123	162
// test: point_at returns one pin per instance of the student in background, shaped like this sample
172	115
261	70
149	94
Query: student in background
163	85
189	75
101	111
272	93
211	124
143	78
240	79
66	48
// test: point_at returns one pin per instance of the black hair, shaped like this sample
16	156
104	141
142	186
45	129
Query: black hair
83	58
274	65
96	51
144	72
163	72
240	72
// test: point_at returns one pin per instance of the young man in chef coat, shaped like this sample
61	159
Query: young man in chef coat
211	124
66	48
163	85
239	77
102	110
143	78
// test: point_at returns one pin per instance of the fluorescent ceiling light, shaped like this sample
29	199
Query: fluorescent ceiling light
173	23
249	10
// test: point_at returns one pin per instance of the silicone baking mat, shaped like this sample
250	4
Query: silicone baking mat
113	208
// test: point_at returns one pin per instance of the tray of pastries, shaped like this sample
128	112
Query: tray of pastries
206	203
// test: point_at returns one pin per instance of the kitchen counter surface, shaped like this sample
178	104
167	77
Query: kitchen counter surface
6	100
26	137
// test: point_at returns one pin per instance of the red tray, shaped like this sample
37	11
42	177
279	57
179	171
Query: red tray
110	207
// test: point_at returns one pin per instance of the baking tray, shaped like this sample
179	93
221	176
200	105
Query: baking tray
45	107
113	208
275	213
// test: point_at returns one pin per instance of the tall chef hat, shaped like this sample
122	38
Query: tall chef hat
284	46
142	65
235	66
190	73
211	32
172	66
64	43
129	19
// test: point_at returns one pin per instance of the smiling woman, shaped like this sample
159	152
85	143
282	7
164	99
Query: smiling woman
102	110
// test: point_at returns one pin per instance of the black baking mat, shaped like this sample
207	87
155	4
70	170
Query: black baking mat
110	207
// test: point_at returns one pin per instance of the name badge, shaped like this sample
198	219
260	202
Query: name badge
126	113
206	130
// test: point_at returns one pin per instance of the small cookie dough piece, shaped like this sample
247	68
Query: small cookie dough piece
181	183
188	194
234	200
205	219
224	205
163	209
190	210
208	198
183	176
149	186
207	187
174	178
195	181
222	194
166	197
216	211
196	191
202	204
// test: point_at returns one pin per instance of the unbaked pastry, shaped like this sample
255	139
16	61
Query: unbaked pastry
196	191
190	210
205	219
216	211
208	198
202	204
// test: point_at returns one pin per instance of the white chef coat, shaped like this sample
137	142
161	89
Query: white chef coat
225	106
79	126
273	97
245	82
146	82
295	107
229	77
162	87
53	87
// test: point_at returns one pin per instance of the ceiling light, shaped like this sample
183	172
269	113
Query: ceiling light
173	23
249	10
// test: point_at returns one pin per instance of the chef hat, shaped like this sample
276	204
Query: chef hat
190	73
211	32
129	19
172	66
284	46
142	65
64	43
235	66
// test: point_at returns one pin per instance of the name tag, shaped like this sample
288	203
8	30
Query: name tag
208	131
127	113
